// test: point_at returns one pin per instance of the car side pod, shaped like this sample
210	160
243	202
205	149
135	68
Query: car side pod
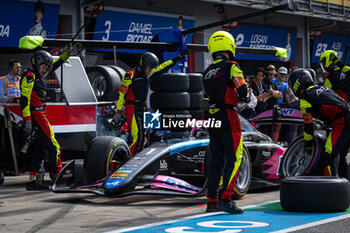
315	194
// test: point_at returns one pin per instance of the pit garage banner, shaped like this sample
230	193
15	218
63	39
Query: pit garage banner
17	19
135	26
330	42
264	38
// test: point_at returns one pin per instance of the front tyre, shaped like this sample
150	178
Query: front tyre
105	155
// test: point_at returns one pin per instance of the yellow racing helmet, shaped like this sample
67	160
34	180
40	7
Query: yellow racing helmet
328	58
221	41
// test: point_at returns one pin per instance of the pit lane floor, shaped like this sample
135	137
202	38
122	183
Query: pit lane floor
42	211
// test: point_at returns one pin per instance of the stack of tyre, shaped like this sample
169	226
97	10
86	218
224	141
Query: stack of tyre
177	94
196	95
105	81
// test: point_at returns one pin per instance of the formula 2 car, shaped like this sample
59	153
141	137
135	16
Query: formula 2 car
169	167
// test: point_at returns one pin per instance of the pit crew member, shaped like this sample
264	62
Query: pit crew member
224	84
32	102
133	93
324	103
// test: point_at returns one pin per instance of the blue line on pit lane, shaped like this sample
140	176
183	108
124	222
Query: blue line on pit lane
260	219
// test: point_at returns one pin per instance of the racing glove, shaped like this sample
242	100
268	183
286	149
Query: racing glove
308	147
182	55
27	129
71	50
117	117
243	94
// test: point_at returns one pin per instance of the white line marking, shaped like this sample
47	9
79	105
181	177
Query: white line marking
312	224
73	128
185	218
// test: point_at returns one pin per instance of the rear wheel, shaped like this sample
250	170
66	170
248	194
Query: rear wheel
105	155
244	176
296	162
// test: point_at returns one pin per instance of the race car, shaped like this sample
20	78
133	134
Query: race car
169	166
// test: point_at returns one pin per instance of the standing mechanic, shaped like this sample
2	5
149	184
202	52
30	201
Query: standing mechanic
225	85
32	101
134	90
324	103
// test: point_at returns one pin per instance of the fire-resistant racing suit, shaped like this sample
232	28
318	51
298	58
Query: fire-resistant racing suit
339	80
32	101
223	81
133	91
325	104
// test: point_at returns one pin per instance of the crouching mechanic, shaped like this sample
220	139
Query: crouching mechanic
32	101
134	91
325	104
337	78
224	84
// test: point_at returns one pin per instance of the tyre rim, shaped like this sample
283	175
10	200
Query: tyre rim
298	162
118	158
99	85
243	174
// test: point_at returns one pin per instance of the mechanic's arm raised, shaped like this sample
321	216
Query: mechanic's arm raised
72	50
165	66
306	110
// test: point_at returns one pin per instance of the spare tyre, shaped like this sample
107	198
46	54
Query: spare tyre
196	81
121	72
170	101
195	99
105	82
315	194
197	114
170	82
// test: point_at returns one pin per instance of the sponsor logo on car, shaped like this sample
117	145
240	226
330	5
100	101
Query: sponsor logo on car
266	153
120	174
163	165
124	171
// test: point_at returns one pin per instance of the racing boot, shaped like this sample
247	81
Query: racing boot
213	205
229	206
36	185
